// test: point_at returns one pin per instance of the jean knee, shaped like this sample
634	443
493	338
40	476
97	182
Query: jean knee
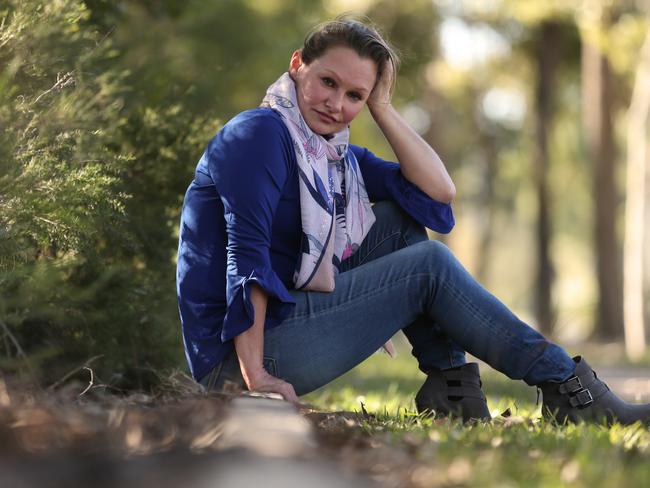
437	254
412	231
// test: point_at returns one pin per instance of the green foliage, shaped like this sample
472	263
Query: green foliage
56	167
90	189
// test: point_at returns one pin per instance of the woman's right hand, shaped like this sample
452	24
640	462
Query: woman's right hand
250	347
264	382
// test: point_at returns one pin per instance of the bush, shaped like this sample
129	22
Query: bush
90	190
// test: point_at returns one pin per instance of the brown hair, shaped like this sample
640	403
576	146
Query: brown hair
365	40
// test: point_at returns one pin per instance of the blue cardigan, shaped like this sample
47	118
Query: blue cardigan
241	224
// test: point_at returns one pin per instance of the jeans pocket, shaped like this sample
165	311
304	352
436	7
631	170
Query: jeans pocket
271	366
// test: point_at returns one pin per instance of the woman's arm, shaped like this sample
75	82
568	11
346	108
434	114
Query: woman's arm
249	162
419	163
250	351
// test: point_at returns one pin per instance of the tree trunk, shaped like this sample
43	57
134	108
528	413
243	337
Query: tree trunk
637	157
546	53
487	204
597	83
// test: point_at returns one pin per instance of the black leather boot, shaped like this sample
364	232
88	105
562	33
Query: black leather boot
583	397
454	392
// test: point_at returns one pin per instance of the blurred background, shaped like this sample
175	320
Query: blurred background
538	108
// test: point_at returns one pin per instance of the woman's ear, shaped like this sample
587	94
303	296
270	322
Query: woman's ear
295	63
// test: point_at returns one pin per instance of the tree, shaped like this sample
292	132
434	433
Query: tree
74	278
546	53
637	160
598	113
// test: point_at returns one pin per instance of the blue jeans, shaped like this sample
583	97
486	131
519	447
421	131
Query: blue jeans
400	280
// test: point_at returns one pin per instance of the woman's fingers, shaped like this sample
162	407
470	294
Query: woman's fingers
381	93
271	384
289	393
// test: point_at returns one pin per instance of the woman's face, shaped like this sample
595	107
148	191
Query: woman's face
332	89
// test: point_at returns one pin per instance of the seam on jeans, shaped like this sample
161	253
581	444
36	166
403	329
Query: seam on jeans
377	245
475	311
359	298
555	367
478	314
488	321
503	333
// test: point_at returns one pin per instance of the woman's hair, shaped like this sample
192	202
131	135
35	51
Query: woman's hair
365	40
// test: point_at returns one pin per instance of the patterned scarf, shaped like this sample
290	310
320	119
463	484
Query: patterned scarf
334	206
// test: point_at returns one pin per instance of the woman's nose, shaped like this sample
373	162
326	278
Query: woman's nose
334	102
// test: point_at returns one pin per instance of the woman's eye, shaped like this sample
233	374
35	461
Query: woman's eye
355	96
328	81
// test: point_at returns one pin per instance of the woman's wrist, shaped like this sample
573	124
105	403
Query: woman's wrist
252	375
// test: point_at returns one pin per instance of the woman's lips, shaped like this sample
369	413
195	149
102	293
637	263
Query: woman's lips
326	117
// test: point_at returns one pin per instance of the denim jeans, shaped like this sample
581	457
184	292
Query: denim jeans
400	280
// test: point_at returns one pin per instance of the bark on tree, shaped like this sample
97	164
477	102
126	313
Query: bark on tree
597	93
637	160
488	208
546	54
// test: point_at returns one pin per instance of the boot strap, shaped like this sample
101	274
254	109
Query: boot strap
577	383
583	389
464	377
586	396
465	391
583	398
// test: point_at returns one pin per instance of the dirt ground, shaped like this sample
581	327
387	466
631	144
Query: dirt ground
188	438
74	436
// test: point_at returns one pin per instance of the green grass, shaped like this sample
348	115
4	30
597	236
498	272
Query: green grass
521	450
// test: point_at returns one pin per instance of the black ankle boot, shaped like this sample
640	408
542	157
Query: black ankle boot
455	392
583	397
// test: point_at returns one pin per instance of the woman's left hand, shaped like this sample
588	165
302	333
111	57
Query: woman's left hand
381	93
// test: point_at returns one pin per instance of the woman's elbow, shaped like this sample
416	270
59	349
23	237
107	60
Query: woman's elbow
448	193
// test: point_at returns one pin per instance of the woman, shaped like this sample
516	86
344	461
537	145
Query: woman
287	277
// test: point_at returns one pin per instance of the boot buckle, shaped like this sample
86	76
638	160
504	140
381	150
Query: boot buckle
582	399
572	385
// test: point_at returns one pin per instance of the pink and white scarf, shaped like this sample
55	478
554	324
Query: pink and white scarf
328	171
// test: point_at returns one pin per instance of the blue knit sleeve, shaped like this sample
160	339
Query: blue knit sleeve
249	165
384	181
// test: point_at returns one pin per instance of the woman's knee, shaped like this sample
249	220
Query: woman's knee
411	229
435	254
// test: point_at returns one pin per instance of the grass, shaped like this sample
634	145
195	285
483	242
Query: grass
520	450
